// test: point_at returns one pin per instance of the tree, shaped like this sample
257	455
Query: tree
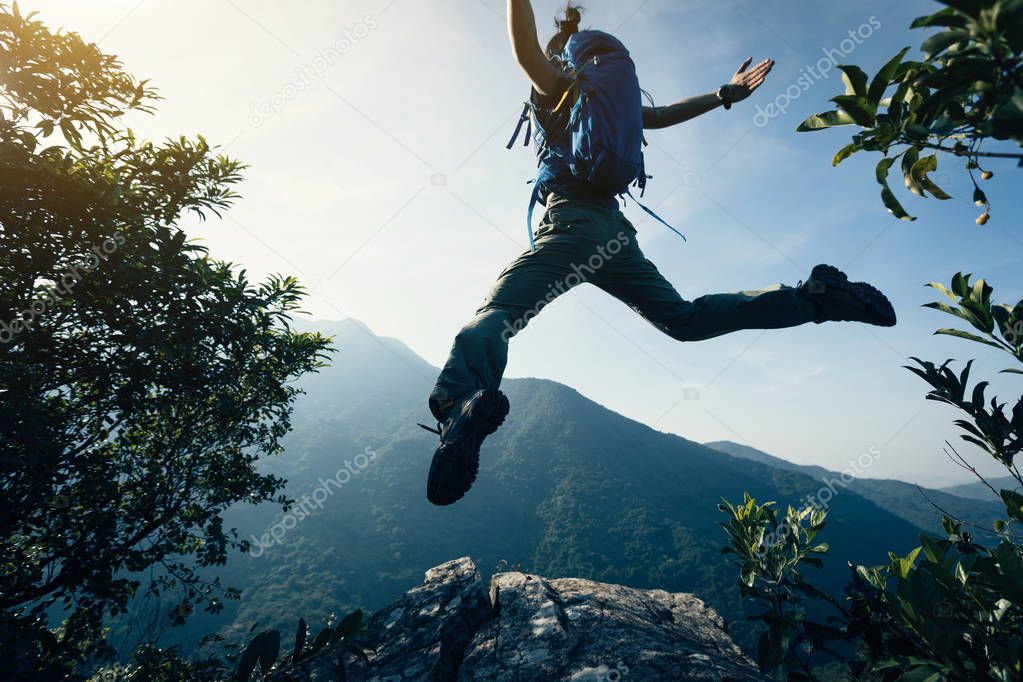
140	378
966	91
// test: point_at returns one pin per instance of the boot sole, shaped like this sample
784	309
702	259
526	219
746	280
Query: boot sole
455	465
869	296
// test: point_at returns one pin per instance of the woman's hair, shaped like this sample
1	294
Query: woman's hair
567	26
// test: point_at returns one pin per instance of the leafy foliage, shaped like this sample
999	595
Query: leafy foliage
1000	326
950	609
967	89
265	649
770	553
261	659
140	379
153	664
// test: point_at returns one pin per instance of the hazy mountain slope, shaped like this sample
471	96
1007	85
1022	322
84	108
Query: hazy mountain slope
754	455
566	488
903	499
978	491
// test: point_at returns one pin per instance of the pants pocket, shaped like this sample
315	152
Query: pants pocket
581	223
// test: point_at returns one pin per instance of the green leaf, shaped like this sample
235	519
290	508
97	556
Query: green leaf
919	173
882	169
350	624
911	156
1013	503
947	17
961	284
941	287
748	575
855	80
935	554
940	42
893	205
828	119
858	108
1007	119
845	152
300	636
321	640
881	173
968	336
263	649
247	662
884	77
898	99
970	8
932	188
269	650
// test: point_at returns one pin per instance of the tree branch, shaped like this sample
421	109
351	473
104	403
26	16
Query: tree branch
961	152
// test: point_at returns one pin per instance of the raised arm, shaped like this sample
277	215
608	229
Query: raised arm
742	85
526	47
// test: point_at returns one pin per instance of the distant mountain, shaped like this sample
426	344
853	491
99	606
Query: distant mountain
566	488
978	491
754	455
905	500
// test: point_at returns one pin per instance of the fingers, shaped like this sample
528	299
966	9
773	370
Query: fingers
762	68
754	83
748	79
757	74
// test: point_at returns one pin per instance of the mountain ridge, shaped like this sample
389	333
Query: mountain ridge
915	504
979	491
567	488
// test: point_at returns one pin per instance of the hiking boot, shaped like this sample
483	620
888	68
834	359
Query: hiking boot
457	459
837	299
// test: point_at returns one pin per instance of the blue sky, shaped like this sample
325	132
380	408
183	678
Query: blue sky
375	130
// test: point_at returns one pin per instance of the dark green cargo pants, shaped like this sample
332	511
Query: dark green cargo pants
578	243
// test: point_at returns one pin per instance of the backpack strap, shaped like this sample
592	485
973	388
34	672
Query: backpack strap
655	216
534	199
564	97
526	120
573	85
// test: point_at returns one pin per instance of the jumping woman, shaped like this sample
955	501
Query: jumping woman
587	111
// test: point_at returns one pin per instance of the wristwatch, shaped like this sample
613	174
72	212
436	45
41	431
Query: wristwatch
726	101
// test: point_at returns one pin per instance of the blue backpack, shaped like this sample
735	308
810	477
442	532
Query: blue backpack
602	142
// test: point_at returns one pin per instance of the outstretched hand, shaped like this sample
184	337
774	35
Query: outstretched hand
746	80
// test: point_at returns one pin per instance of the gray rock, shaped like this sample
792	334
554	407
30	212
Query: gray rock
572	629
424	635
531	629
